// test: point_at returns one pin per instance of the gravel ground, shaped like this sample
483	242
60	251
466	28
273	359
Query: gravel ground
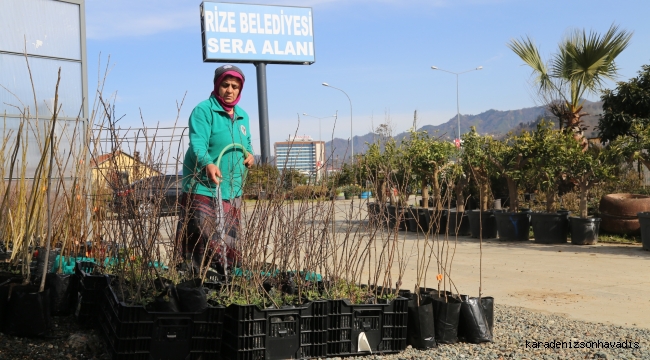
67	341
513	326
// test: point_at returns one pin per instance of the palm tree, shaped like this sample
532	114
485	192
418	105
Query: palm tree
583	61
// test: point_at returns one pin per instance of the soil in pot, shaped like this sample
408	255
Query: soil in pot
457	223
485	220
513	226
584	231
550	228
644	221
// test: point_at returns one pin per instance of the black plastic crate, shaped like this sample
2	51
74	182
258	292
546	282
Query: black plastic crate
133	332
384	325
298	332
89	291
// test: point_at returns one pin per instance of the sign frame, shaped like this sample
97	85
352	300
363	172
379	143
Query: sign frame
260	59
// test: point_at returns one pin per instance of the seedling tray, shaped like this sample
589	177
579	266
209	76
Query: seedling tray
384	326
133	332
251	333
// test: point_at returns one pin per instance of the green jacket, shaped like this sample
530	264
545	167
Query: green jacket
210	130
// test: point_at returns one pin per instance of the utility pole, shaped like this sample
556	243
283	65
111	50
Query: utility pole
415	120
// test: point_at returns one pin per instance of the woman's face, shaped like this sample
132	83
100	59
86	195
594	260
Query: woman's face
229	89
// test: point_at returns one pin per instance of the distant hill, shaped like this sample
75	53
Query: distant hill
494	122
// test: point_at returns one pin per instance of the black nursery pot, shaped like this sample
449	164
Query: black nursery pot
550	228
485	220
420	332
584	231
413	219
644	221
62	293
446	314
391	212
456	222
28	311
513	226
473	325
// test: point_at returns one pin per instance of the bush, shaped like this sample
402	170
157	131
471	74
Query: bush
352	190
309	192
302	192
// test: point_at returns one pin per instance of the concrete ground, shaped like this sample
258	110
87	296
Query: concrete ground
603	283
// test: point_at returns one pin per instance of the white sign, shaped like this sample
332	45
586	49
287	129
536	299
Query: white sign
257	33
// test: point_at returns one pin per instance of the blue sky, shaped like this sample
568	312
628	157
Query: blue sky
379	52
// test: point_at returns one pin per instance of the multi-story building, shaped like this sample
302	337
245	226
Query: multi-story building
301	153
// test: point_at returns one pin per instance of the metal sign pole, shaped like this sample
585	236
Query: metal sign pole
263	109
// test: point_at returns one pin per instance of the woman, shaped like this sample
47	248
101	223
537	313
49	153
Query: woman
211	200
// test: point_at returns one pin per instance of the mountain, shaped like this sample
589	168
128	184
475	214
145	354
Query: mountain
493	122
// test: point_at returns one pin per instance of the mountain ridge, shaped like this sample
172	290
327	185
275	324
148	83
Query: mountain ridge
492	122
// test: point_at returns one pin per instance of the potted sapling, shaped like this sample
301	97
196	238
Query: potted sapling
509	158
547	167
586	168
477	166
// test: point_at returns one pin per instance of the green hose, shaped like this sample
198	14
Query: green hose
228	147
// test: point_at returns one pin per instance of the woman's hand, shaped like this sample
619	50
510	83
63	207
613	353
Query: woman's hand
213	173
249	161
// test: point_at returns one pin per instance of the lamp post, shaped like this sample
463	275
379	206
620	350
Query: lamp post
457	105
320	134
320	155
351	136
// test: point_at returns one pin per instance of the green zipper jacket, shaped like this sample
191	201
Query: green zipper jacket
211	129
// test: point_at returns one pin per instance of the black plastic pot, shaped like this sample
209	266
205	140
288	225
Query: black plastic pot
28	311
397	214
488	306
423	219
456	222
412	219
513	226
446	314
584	231
485	220
644	221
550	228
420	332
62	295
373	212
473	325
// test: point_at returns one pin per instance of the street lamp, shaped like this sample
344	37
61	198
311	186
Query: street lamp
351	136
457	105
320	134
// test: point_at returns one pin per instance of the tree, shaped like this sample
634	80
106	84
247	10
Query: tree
586	169
509	158
262	177
633	147
548	160
476	163
428	157
629	103
583	61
